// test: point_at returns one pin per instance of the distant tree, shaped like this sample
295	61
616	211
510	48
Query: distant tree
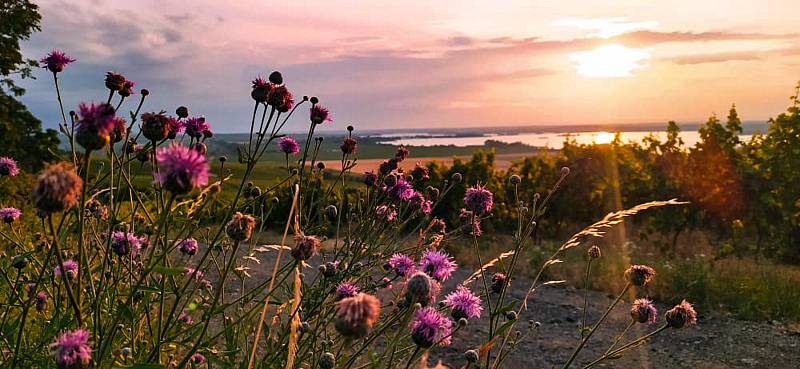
22	134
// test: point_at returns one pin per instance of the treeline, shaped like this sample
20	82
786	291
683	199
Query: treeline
745	195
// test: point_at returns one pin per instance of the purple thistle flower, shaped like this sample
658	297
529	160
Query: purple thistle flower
402	264
56	60
640	275
419	202
643	311
430	326
115	81
370	178
41	301
93	131
71	349
288	145
280	98
181	169
192	272
9	215
8	166
349	146
125	243
320	114
305	247
261	89
345	290
158	126
386	212
471	223
70	267
240	227
127	88
402	190
478	199
195	127
198	358
420	173
464	303
188	246
57	188
402	153
356	315
682	315
437	264
184	317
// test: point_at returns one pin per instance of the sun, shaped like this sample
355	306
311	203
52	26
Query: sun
604	137
610	61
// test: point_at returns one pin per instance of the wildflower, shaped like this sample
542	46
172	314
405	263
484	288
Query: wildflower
499	280
643	311
430	326
345	290
195	127
439	265
385	168
70	267
156	126
115	81
402	264
280	98
198	358
464	303
182	112
478	199
125	243
402	153
418	202
127	88
420	173
682	315
349	146
305	247
142	153
471	223
276	78
402	190
260	90
594	252
192	272
56	60
9	215
71	349
370	178
327	361
356	315
420	288
438	226
188	246
56	189
181	169
41	301
93	131
240	227
320	114
515	179
640	275
288	145
471	356
120	129
175	126
387	213
184	317
8	167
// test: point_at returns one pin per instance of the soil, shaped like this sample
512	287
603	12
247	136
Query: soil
714	343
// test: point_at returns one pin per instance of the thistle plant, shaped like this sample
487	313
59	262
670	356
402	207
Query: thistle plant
144	259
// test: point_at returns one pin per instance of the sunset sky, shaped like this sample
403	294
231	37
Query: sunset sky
417	64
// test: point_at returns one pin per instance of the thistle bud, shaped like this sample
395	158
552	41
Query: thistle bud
594	252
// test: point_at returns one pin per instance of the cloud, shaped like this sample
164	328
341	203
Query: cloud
716	57
650	38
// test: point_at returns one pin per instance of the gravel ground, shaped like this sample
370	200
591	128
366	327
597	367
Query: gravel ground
715	343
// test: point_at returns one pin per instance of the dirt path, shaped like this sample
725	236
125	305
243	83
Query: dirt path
715	343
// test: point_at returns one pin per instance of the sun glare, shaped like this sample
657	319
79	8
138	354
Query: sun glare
604	137
610	61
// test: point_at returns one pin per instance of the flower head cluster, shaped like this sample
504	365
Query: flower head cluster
56	189
127	88
643	311
420	173
639	275
125	243
402	190
437	264
115	81
184	317
56	60
260	90
386	213
188	246
280	98
305	247
71	349
464	303
682	315
345	290
8	166
420	288
181	169
356	315
9	215
478	199
120	129
93	131
158	126
429	327
288	145
196	127
419	202
401	264
349	146
320	114
240	227
70	268
402	153
370	178
198	358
